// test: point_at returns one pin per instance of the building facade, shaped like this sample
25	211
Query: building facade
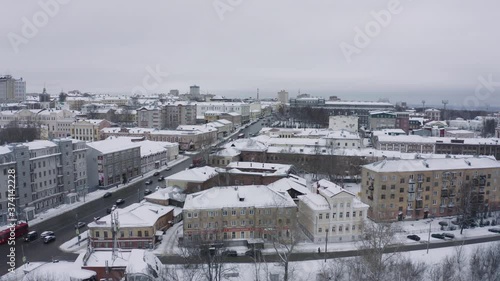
12	90
238	213
283	96
88	130
332	213
175	114
46	174
416	189
149	117
115	164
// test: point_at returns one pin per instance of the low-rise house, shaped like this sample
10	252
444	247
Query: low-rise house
194	180
294	185
239	213
254	173
169	196
332	213
137	226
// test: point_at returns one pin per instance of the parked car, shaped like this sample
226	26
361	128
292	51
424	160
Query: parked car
97	218
254	253
208	251
448	235
120	201
48	239
437	235
108	210
494	230
168	168
80	224
161	178
413	237
148	182
47	233
147	191
156	174
31	236
191	166
107	194
229	253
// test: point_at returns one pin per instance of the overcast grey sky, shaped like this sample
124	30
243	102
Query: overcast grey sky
429	50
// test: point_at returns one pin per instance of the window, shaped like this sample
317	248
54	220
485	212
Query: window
224	212
195	215
327	215
401	190
333	215
353	227
105	234
242	211
401	199
122	234
320	229
233	235
97	234
360	213
251	211
393	186
382	196
384	187
189	226
402	180
233	213
146	233
393	196
233	223
243	223
320	216
428	179
242	234
340	228
189	215
427	188
341	215
347	214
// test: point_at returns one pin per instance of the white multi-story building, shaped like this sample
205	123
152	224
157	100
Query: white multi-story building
343	122
283	96
225	107
89	129
48	173
149	117
332	212
12	90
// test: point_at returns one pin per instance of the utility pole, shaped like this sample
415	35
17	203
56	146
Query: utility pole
423	105
429	237
445	102
326	243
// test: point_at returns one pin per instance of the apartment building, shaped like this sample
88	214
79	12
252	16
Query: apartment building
48	173
433	114
226	107
137	226
194	180
332	214
174	114
116	164
422	188
283	96
57	122
149	117
238	213
89	129
12	90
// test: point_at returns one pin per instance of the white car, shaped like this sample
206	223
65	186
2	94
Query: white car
47	233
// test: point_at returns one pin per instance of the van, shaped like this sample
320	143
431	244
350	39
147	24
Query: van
32	235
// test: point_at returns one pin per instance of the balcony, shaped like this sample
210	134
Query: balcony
444	193
420	179
411	181
370	187
419	198
451	205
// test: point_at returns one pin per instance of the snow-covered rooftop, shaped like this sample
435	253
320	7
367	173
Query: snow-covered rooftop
147	147
456	163
274	169
258	196
135	215
421	139
200	174
112	145
167	193
286	184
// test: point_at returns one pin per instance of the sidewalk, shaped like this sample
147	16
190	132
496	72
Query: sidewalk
97	194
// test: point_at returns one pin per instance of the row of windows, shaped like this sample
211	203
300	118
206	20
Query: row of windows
341	215
341	228
122	233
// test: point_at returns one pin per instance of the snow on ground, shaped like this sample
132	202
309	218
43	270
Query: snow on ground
94	196
72	246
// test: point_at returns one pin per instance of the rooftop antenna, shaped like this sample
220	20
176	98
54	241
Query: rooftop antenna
423	105
257	93
445	102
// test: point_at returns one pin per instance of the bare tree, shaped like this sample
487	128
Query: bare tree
485	263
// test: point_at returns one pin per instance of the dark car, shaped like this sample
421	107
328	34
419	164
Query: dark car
156	174
448	235
147	191
108	210
413	237
48	239
148	182
120	201
31	236
438	235
107	194
80	224
254	253
229	253
494	230
161	178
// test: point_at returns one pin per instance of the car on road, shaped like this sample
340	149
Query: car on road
120	201
156	174
48	239
31	236
438	236
97	218
47	233
448	235
147	191
191	166
80	224
168	168
108	210
107	194
161	178
148	182
494	230
413	237
229	253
